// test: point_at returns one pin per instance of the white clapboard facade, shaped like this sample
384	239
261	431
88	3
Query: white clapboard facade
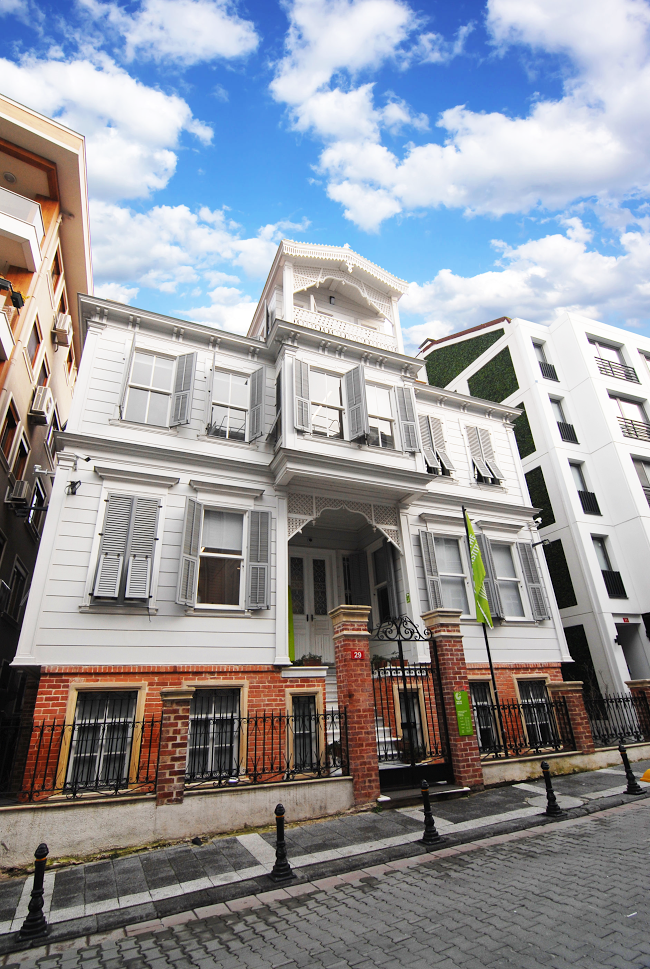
217	495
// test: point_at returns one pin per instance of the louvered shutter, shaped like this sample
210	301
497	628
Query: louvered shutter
406	412
257	418
491	584
129	354
477	453
189	561
533	581
112	550
439	441
259	553
141	548
488	453
357	407
303	401
183	389
427	444
431	570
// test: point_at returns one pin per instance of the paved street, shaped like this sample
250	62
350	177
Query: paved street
575	894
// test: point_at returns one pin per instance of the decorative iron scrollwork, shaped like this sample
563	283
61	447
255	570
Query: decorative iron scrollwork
402	629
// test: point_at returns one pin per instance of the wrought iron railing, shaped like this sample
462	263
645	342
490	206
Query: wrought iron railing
567	432
589	503
614	584
637	429
104	757
548	371
515	728
609	368
222	751
618	718
406	719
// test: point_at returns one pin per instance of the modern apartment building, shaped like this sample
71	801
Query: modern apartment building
44	263
584	440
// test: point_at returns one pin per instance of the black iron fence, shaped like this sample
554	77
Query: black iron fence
515	728
406	718
222	750
618	718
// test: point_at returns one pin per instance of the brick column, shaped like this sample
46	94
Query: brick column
642	688
575	701
354	685
173	745
448	644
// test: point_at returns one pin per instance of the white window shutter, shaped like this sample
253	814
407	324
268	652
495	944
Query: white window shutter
115	534
302	420
188	569
259	557
141	548
533	581
406	412
439	442
129	354
488	453
357	407
257	418
431	570
183	389
427	444
491	584
477	452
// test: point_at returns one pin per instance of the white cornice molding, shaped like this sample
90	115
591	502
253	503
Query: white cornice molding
352	259
225	488
158	478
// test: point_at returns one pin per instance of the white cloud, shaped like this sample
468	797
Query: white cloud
12	7
116	292
186	32
229	309
131	129
538	280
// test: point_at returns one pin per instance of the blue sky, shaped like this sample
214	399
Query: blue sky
493	154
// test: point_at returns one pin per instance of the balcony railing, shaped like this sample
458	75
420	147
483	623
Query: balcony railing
618	719
340	328
567	432
614	584
637	429
589	503
21	224
611	369
548	371
518	728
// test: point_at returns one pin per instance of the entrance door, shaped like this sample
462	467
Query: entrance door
311	599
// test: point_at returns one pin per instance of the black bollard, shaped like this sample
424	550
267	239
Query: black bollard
553	809
281	871
431	836
35	925
633	787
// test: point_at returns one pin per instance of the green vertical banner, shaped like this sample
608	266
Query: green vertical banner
463	713
478	576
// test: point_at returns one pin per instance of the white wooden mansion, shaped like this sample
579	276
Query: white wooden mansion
218	495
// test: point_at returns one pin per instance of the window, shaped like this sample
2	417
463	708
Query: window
43	375
485	467
607	352
326	404
612	578
20	461
537	713
70	362
558	410
539	352
588	499
36	514
433	445
102	736
56	269
34	343
578	476
50	439
643	472
506	577
221	560
125	564
150	389
8	431
16	597
380	417
630	410
547	369
213	744
305	733
602	554
452	574
483	706
230	396
567	431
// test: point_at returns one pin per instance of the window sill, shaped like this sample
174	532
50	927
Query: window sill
119	609
225	440
150	428
215	611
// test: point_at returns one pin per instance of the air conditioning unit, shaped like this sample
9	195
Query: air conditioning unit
42	406
63	329
21	493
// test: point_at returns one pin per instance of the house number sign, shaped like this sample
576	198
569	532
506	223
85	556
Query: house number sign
356	654
463	713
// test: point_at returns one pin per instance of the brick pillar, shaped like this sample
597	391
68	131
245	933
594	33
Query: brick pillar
173	745
448	644
354	685
575	701
642	688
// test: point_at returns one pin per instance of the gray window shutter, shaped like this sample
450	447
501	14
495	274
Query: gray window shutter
431	570
406	412
533	581
359	579
259	556
257	416
183	389
427	444
357	407
488	453
477	453
391	578
491	584
141	548
303	400
130	353
439	441
115	536
189	562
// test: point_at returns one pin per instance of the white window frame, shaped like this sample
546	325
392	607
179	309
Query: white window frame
462	548
21	435
377	417
219	403
49	435
518	579
617	398
317	403
129	385
243	558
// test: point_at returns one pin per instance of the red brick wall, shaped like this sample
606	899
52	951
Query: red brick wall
507	673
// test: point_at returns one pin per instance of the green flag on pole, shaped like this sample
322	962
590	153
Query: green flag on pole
478	573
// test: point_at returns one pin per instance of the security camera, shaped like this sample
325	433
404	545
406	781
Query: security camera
538	521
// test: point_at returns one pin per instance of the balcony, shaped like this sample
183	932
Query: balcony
589	503
638	429
548	371
567	432
21	231
609	368
614	584
347	331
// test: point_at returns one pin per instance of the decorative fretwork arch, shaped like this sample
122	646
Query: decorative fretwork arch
305	276
305	508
